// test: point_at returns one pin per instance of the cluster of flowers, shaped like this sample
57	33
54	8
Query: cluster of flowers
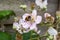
29	22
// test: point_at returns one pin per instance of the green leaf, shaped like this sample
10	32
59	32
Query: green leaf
30	36
6	14
5	36
13	36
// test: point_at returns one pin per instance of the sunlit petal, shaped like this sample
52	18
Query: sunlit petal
26	25
38	2
45	2
38	20
41	4
33	27
46	15
15	25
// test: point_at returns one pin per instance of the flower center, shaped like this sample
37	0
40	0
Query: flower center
28	18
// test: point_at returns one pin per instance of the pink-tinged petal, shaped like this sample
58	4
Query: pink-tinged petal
26	25
38	19
33	27
52	31
34	12
21	21
47	15
25	15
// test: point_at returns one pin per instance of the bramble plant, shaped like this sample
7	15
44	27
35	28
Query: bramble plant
26	26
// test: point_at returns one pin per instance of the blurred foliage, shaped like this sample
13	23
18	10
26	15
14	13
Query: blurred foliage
5	36
13	36
5	14
47	24
34	36
31	35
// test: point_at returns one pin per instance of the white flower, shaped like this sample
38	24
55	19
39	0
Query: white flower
42	4
29	21
32	17
52	31
15	25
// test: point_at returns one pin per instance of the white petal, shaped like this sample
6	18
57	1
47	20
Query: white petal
25	15
26	25
41	5
45	2
33	27
52	31
34	12
15	25
38	2
21	21
38	20
46	15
